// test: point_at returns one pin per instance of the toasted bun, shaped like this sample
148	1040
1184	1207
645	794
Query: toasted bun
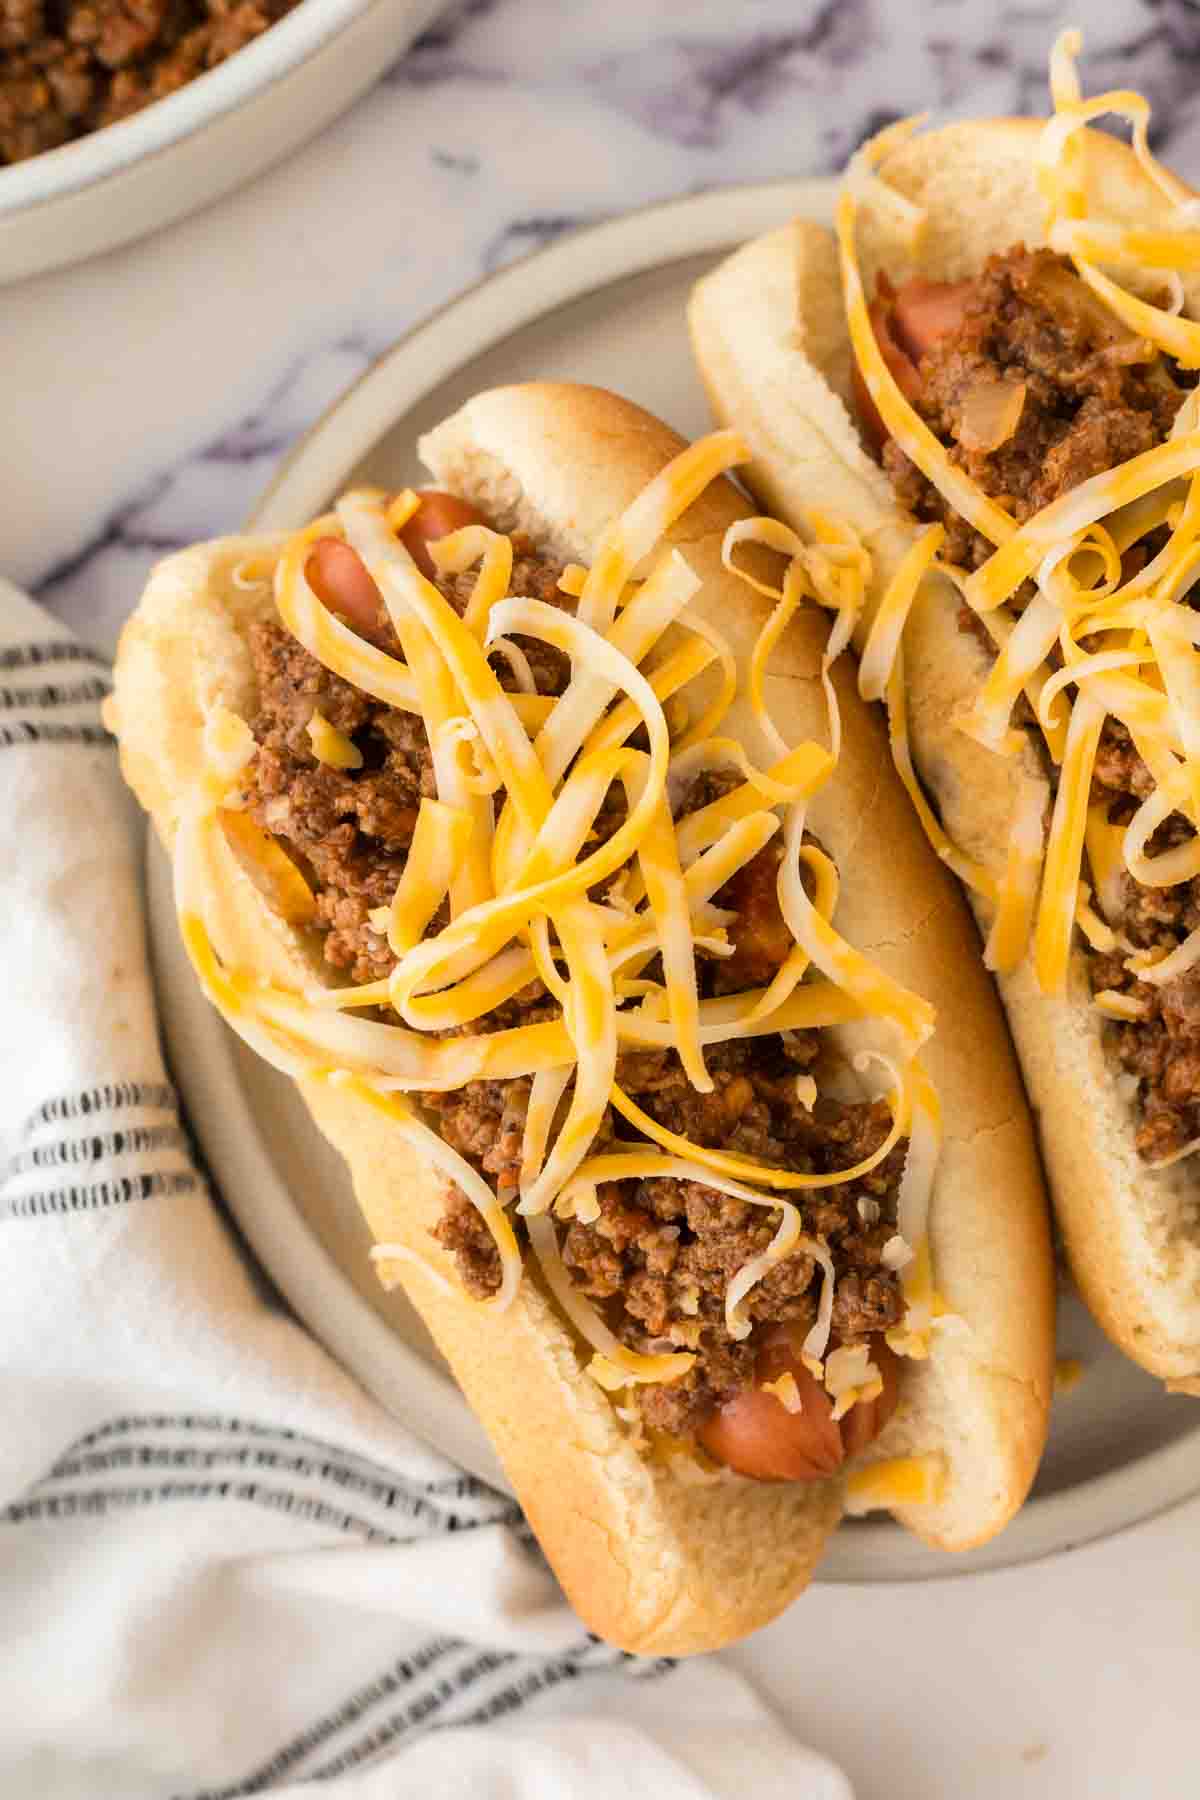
770	338
652	1562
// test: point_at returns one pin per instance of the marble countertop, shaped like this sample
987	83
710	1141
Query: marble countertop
148	396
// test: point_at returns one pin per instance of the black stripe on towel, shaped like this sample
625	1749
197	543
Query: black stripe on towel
96	1502
458	1502
69	1152
110	1096
404	1674
395	1497
49	694
94	1196
39	656
28	733
448	1704
454	1487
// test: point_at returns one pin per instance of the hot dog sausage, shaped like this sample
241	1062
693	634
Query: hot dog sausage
437	516
907	322
755	1434
339	579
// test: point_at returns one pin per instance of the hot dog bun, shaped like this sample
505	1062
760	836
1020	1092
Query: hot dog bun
652	1562
769	334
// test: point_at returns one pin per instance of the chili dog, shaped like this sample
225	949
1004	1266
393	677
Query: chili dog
618	1001
994	363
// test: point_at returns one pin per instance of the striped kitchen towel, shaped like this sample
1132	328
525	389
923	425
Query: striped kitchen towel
224	1568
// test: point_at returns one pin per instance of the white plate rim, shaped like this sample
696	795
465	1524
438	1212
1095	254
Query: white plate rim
476	321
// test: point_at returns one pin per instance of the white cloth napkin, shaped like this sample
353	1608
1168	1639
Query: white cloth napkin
223	1567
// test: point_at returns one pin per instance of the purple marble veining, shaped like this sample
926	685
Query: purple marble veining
185	367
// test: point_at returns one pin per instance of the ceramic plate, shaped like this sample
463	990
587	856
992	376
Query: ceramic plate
605	306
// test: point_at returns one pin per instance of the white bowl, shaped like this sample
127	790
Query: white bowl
196	144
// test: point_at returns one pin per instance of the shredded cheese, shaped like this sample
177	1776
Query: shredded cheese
331	746
510	846
900	1481
1091	642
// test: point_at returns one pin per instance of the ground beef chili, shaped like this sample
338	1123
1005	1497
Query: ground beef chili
658	1259
69	67
1087	408
1030	320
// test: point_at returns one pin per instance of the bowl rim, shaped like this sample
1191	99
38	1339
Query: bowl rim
71	168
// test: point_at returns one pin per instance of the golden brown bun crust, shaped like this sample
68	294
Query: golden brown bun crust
651	1562
770	338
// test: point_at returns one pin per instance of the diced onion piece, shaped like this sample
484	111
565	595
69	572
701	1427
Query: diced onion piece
903	424
635	1367
991	412
896	1253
